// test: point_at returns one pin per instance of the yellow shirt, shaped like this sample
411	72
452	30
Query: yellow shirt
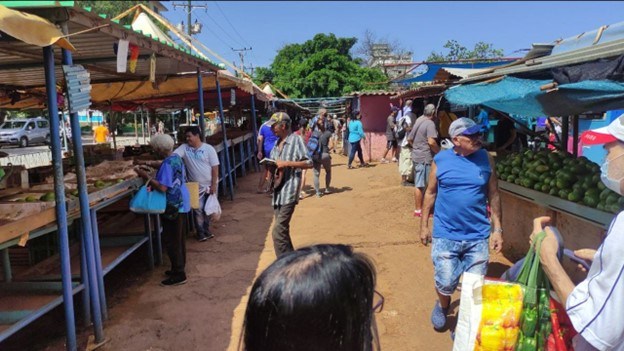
100	134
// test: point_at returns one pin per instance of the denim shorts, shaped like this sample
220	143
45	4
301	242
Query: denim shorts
451	258
421	174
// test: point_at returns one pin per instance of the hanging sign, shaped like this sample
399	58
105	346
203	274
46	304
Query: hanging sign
232	97
78	87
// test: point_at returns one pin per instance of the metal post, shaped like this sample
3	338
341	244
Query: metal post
6	266
59	192
200	92
84	278
254	120
98	264
159	256
142	126
565	132
85	215
136	130
575	134
150	244
228	168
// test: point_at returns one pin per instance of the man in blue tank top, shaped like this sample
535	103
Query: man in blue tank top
461	184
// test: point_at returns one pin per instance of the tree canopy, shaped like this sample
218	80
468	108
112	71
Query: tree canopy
456	51
322	66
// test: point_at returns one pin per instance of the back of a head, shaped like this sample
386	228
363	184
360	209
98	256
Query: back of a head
429	110
317	298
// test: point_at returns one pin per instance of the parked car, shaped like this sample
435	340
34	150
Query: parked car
24	132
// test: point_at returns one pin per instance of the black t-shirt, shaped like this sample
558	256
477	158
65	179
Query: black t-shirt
503	132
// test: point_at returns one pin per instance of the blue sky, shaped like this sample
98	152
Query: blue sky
418	26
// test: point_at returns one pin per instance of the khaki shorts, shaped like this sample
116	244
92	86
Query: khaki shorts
406	166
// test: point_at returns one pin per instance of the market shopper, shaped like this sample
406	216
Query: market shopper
101	134
356	134
202	165
266	141
170	179
304	132
391	139
406	167
320	297
595	305
461	184
422	140
291	156
324	161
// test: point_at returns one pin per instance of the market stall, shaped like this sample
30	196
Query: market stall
563	79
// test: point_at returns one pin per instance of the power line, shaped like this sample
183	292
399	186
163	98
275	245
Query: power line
219	37
223	30
230	23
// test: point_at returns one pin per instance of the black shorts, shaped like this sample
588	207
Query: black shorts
392	144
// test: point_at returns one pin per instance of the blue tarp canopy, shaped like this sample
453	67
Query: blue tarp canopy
433	68
523	97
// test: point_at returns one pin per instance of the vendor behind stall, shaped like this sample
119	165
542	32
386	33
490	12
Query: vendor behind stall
595	306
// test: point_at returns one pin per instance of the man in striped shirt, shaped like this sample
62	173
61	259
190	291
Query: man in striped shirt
291	156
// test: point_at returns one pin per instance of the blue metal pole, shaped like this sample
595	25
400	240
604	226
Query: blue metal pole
200	99
84	278
98	263
228	168
59	193
85	217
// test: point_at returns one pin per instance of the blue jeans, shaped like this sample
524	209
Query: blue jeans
451	258
202	221
356	147
421	174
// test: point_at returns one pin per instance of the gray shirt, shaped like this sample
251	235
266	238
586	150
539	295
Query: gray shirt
294	149
423	129
390	128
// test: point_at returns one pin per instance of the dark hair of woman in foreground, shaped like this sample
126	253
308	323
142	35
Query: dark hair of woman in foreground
317	298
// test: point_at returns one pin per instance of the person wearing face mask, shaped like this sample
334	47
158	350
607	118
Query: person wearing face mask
462	181
595	306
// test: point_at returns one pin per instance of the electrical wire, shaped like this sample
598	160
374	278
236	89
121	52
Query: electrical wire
217	36
223	30
230	23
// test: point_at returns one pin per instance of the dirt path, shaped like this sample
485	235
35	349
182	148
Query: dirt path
368	210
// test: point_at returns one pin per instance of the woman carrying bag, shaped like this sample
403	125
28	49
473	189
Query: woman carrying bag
170	180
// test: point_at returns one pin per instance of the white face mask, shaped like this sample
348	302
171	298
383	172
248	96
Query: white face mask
613	184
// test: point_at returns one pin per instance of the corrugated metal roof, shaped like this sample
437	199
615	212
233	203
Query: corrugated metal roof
22	64
422	91
368	93
583	48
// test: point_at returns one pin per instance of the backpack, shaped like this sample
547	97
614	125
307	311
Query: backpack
400	133
314	147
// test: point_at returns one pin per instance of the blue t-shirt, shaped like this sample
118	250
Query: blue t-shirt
172	175
460	207
268	139
356	131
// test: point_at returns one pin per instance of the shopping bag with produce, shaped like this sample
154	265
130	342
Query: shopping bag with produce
489	314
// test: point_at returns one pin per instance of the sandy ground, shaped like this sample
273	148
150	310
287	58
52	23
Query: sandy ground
368	210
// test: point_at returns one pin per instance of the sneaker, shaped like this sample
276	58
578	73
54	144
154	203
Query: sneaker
438	316
201	237
406	183
417	213
319	195
327	191
174	280
210	235
301	195
384	161
394	159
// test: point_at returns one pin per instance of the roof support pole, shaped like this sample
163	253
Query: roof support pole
200	101
575	134
226	149
254	122
85	218
59	193
565	132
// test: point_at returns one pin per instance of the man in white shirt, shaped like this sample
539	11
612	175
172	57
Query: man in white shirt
596	305
202	166
406	167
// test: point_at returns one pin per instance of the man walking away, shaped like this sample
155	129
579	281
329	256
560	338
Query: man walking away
391	136
266	141
406	167
323	160
202	166
461	184
422	139
290	154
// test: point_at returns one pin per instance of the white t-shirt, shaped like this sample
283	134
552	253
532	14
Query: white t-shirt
199	163
596	305
407	120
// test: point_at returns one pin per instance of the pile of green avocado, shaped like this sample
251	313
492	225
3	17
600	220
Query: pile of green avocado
560	174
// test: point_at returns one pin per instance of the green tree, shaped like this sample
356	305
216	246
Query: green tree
322	66
456	51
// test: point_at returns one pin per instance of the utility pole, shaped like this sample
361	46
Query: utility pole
241	54
190	28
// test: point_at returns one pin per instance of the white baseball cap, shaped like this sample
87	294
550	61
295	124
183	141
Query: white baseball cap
463	126
614	131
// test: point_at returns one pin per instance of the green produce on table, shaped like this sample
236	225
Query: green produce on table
99	184
31	199
49	196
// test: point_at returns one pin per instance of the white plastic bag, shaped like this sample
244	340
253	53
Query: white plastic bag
212	207
469	315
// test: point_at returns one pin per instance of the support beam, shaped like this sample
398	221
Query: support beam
200	97
228	167
59	192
